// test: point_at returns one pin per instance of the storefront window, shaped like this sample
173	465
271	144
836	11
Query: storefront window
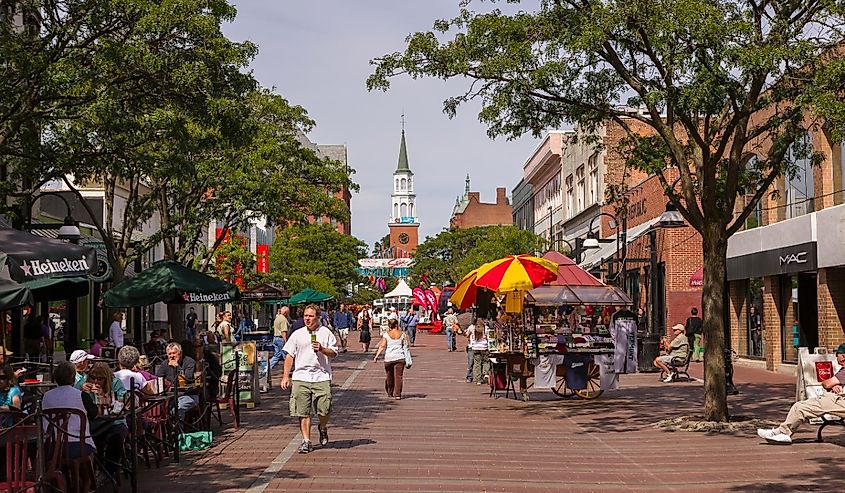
755	219
799	186
754	323
799	314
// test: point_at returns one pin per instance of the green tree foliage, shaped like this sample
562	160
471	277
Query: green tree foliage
233	261
315	256
451	254
714	80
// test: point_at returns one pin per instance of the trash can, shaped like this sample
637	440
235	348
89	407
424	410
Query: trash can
649	348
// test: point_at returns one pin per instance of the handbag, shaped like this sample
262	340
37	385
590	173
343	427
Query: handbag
197	440
407	352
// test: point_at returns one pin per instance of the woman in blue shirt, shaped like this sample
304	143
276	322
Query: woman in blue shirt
10	393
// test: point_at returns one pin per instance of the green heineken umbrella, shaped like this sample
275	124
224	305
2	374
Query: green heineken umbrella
13	295
168	281
309	295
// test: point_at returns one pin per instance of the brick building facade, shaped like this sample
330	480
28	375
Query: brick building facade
470	211
786	269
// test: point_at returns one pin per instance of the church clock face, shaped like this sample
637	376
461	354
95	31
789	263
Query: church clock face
404	238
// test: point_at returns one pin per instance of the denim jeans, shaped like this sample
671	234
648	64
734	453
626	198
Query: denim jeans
278	352
469	364
411	330
450	339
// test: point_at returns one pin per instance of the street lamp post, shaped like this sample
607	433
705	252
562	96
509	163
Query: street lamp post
621	228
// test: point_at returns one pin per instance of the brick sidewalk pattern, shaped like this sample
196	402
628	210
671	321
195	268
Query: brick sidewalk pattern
448	436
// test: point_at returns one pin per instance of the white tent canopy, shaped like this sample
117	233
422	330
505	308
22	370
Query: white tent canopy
401	289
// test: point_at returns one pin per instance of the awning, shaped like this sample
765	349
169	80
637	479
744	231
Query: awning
167	281
577	295
696	280
570	274
29	257
265	292
595	257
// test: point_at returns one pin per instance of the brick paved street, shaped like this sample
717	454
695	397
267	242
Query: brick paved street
446	435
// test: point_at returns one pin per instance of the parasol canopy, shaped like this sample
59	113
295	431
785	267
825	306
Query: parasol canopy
29	257
169	281
465	291
13	295
516	273
309	295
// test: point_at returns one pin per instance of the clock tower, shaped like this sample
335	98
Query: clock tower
404	226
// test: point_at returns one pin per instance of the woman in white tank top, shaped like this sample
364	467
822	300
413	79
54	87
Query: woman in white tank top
392	344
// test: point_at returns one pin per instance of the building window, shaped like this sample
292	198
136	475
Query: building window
396	185
593	183
754	321
755	219
395	210
570	204
403	184
841	184
411	209
799	188
403	210
580	196
410	184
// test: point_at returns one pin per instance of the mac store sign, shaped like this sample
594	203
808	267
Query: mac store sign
785	260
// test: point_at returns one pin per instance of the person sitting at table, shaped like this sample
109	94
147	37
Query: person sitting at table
179	371
3	354
106	391
81	360
128	358
10	393
99	343
67	396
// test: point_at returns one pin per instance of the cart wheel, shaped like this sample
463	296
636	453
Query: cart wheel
593	389
560	388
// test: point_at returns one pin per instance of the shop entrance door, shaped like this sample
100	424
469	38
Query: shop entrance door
808	314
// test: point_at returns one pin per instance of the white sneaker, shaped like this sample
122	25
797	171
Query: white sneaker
774	435
670	378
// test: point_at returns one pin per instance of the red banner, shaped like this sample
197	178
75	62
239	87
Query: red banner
262	258
419	297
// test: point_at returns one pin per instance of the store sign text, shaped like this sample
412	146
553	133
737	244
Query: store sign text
793	258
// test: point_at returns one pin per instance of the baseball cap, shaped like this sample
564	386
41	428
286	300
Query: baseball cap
839	350
79	356
678	327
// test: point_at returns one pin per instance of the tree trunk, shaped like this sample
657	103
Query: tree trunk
712	304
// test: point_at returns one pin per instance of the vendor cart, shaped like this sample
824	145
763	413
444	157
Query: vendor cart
558	339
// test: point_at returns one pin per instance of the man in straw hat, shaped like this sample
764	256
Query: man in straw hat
831	402
678	348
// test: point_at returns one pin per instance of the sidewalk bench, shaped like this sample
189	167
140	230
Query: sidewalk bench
828	420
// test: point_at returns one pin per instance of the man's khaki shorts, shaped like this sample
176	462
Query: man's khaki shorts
310	397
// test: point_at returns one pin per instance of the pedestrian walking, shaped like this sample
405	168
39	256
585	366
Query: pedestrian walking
191	324
281	325
393	344
410	321
343	321
365	325
694	328
480	357
451	328
308	354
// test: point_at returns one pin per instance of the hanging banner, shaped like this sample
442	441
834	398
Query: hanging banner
385	263
262	258
430	299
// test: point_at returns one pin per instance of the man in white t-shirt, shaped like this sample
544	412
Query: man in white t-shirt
309	353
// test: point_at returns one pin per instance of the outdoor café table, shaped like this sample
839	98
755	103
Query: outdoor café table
35	387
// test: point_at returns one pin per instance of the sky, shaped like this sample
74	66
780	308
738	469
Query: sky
316	53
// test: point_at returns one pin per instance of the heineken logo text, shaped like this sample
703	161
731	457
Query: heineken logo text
40	268
206	298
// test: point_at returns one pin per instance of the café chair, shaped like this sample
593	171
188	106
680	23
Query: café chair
79	470
19	461
228	398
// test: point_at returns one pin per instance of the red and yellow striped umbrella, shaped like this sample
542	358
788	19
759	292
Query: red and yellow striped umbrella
465	291
515	273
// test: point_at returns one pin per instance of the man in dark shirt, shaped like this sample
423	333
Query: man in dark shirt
695	329
176	366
